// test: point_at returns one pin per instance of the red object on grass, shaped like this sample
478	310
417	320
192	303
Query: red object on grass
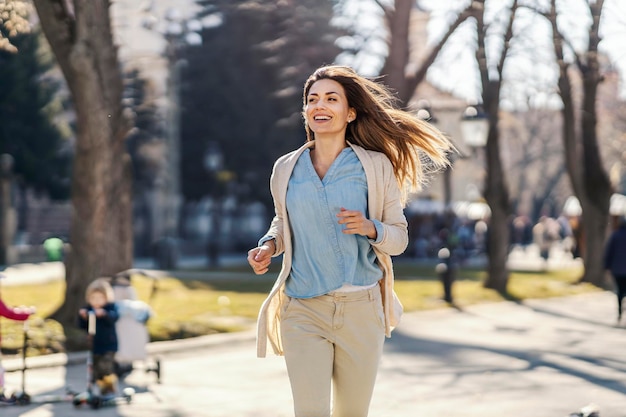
12	313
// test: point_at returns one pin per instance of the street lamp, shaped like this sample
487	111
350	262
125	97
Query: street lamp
213	162
446	268
425	113
474	127
475	130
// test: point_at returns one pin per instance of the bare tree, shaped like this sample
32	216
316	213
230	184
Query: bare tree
405	84
397	17
534	160
587	175
80	35
496	190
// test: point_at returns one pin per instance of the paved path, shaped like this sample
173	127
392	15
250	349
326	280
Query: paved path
538	359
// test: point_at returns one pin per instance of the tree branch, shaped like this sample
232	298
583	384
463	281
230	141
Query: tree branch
595	9
58	24
561	36
414	79
507	39
481	55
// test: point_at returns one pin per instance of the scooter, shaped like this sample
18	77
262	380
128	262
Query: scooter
89	396
22	397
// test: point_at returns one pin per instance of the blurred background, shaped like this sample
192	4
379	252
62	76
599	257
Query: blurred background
214	92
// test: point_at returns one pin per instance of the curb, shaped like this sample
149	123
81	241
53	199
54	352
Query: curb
154	349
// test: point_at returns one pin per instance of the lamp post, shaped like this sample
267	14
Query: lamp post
474	127
213	162
447	266
474	131
425	113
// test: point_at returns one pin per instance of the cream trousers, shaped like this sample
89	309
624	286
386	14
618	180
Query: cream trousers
334	340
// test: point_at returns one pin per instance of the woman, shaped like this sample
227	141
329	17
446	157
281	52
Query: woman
339	219
615	262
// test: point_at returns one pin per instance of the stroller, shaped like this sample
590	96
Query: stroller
131	328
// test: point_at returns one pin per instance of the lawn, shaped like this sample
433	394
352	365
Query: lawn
192	303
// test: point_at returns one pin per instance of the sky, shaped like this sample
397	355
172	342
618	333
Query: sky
531	66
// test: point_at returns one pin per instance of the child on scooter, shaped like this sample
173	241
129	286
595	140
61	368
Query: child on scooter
100	301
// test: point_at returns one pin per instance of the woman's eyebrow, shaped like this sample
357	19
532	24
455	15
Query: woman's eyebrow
326	93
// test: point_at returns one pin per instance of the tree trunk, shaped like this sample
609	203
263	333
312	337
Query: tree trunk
589	180
595	223
497	196
79	33
496	190
398	23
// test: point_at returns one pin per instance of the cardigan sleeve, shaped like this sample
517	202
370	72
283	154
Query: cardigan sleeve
395	237
276	228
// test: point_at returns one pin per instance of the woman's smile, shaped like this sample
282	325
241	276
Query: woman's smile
327	110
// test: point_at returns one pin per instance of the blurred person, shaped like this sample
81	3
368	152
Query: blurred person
521	231
20	313
578	236
339	218
544	235
100	300
615	262
481	236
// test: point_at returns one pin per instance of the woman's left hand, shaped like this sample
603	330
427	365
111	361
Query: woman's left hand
356	223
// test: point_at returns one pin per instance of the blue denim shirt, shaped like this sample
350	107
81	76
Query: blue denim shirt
324	258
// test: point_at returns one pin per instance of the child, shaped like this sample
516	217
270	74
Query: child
99	296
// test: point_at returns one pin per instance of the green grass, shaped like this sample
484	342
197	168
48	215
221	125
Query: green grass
193	303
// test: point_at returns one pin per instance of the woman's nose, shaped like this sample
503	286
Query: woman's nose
318	105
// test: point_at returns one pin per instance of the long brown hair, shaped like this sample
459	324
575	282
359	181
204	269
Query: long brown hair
413	146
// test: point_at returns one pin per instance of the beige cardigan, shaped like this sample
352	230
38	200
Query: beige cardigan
384	204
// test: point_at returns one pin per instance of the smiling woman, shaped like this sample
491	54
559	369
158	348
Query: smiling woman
339	218
327	114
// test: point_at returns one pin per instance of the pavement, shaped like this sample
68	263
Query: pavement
539	358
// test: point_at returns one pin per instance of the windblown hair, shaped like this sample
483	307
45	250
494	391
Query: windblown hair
102	286
414	147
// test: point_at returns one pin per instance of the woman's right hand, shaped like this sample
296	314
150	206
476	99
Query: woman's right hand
260	257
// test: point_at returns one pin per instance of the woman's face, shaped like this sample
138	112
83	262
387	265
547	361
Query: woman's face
327	110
